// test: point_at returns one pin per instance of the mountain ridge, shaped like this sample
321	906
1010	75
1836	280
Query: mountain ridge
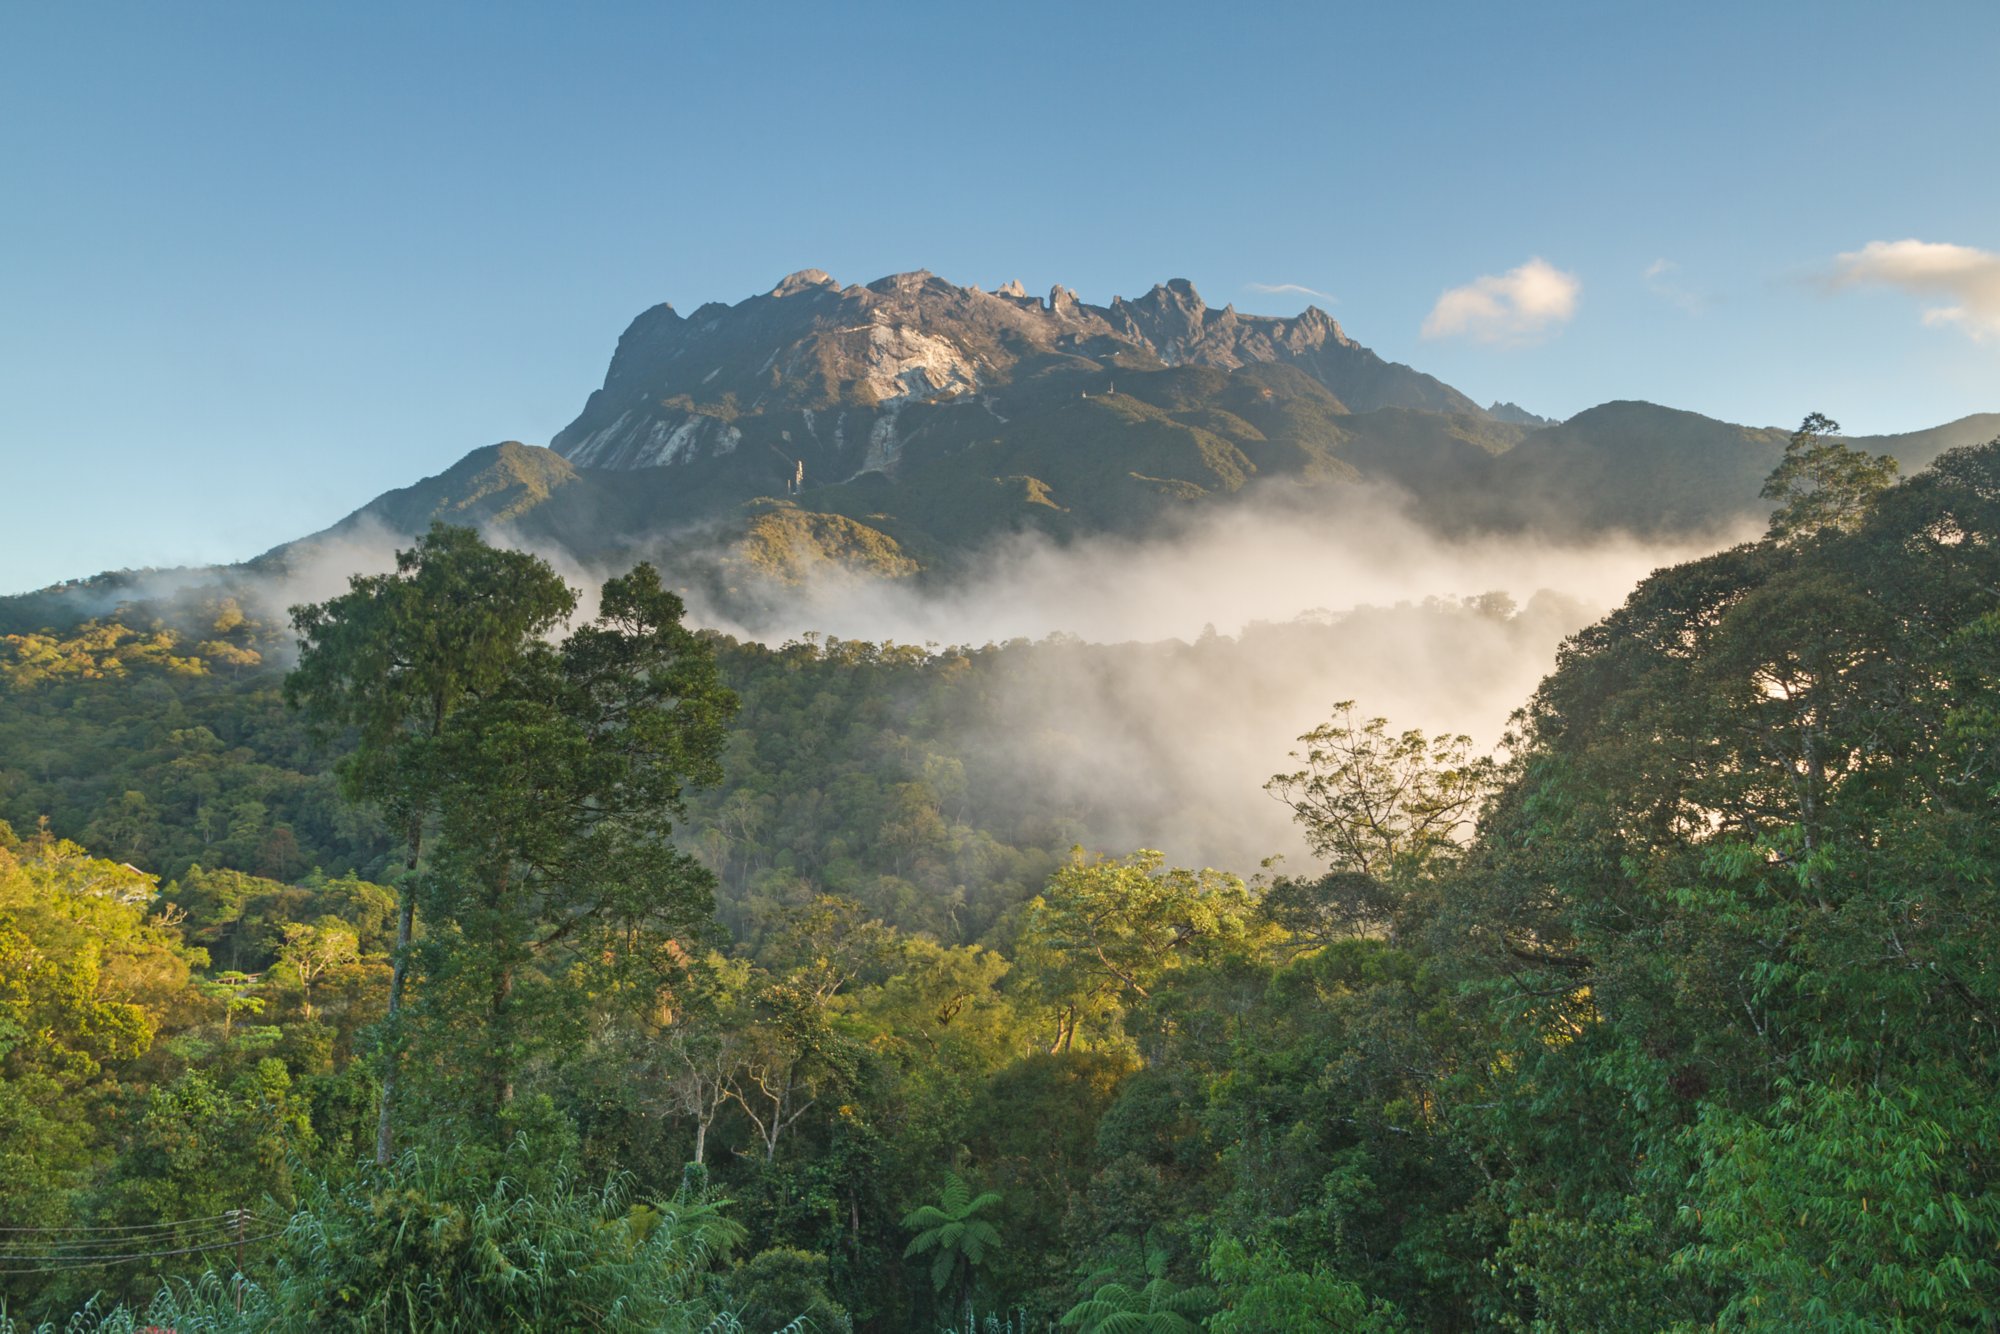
767	372
900	428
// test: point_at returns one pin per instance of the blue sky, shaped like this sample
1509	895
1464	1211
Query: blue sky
259	263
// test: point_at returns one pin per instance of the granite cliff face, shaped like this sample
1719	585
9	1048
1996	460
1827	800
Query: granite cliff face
817	376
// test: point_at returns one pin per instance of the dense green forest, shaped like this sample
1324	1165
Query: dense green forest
464	972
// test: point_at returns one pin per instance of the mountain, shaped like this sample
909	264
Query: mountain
926	418
898	429
942	416
817	374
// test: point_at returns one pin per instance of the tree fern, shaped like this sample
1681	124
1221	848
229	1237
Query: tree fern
1160	1307
951	1231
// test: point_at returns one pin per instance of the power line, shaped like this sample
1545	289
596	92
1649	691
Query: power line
87	1236
227	1216
85	1261
134	1235
47	1249
9	1248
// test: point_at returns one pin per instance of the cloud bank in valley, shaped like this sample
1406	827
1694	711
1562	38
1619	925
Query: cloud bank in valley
1258	559
1155	685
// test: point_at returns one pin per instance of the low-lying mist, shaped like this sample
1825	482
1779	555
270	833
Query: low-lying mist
1165	680
1152	686
1219	569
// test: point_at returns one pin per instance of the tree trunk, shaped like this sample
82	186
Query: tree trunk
503	1069
406	915
1066	1020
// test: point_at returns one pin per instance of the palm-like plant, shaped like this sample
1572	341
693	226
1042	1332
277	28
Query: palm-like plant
1161	1307
952	1230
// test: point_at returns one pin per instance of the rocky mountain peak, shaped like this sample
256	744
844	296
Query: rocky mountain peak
805	280
1172	317
899	283
839	363
1173	294
1313	319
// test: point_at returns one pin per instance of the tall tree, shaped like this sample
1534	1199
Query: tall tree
1374	803
392	662
1388	812
1822	482
1104	931
554	859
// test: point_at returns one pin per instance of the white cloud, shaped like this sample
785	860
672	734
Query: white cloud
1511	307
1298	289
1967	277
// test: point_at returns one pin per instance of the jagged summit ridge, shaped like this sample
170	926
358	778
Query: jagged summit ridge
813	353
